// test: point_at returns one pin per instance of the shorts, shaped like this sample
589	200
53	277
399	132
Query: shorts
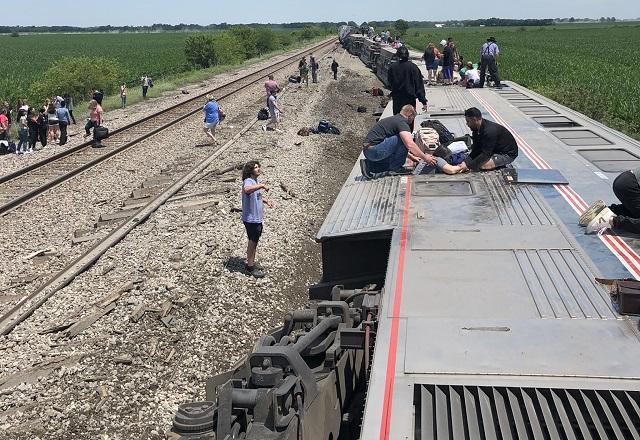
432	66
210	125
54	122
275	117
501	160
254	231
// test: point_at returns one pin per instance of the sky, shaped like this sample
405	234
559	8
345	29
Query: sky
146	12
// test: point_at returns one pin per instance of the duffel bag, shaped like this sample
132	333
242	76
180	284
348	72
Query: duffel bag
100	133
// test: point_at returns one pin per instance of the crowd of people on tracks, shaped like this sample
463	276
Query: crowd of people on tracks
25	128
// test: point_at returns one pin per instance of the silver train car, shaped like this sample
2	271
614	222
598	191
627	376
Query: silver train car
457	307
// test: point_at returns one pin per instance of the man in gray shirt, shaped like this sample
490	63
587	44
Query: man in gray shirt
387	144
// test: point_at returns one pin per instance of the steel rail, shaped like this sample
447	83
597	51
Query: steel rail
104	154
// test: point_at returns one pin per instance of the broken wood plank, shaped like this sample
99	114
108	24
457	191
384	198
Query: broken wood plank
137	313
165	308
37	253
153	346
125	213
157	181
88	321
85	238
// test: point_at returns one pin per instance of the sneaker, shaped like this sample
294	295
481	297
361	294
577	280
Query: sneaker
264	128
600	222
591	212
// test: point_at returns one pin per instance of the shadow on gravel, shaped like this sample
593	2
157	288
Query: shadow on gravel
235	264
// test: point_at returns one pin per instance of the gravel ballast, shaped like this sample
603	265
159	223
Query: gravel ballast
121	379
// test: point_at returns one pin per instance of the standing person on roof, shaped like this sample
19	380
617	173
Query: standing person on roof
489	60
448	60
406	82
493	145
212	112
388	143
271	86
431	58
253	212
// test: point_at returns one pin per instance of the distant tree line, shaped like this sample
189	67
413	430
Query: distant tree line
159	27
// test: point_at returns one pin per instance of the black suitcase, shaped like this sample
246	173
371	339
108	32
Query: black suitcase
100	133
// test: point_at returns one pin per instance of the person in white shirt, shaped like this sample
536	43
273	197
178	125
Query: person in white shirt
471	76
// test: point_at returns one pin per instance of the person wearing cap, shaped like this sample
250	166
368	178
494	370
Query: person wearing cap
489	60
406	82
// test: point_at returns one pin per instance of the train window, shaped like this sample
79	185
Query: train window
580	137
431	188
556	121
522	102
611	160
537	110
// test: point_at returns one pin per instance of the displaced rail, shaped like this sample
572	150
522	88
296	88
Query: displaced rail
30	303
21	186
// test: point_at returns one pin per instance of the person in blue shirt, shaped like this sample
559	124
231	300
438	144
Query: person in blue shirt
253	212
212	113
64	119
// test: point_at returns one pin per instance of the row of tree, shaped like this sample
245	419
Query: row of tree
183	27
241	43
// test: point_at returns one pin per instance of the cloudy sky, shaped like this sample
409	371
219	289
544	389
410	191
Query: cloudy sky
145	12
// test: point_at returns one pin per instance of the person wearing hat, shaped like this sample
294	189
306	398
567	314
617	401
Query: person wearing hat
489	60
406	82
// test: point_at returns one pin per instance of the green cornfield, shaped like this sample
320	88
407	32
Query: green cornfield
592	69
27	57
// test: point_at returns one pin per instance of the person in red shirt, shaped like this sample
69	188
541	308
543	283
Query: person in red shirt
4	125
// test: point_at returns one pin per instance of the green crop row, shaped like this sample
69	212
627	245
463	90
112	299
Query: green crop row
27	58
590	68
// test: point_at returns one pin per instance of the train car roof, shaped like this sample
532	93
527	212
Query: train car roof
490	291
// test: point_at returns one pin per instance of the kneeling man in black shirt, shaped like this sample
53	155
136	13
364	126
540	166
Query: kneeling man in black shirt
493	145
386	146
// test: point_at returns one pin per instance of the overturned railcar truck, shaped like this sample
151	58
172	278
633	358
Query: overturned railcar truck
455	307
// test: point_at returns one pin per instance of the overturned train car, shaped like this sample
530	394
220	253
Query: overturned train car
304	380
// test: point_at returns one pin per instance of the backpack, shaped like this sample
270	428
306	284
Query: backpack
263	114
295	79
323	126
446	137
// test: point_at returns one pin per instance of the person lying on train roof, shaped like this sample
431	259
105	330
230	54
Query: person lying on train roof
387	144
624	215
493	145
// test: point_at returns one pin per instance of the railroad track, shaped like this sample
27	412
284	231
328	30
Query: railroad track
31	302
21	186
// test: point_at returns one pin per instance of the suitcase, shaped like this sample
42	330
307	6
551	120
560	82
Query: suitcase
100	133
